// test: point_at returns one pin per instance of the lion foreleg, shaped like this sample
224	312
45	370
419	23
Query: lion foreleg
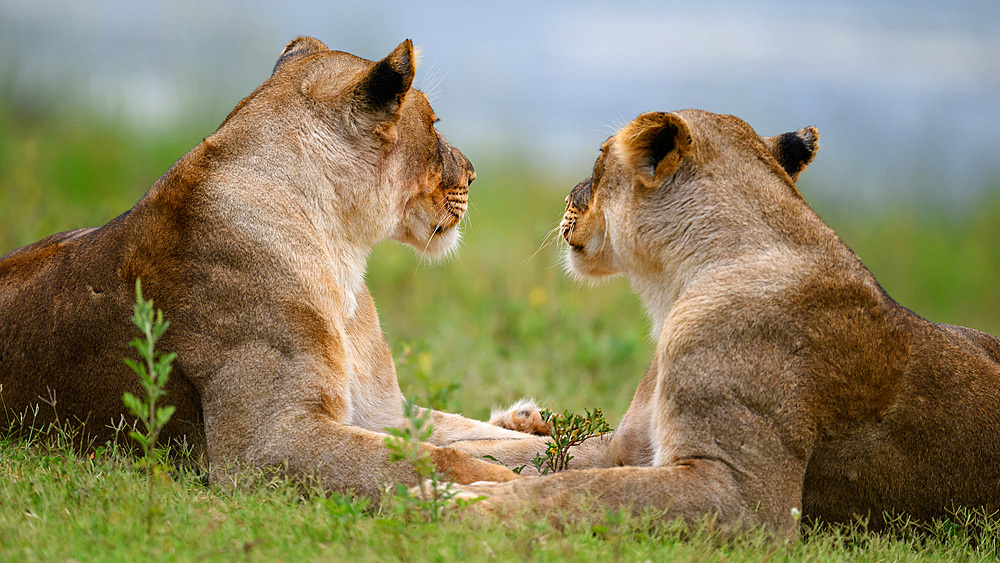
694	491
344	458
593	452
450	428
293	428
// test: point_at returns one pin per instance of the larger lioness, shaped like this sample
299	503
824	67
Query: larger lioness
255	244
785	379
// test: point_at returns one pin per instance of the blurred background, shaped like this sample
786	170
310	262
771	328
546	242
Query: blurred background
98	98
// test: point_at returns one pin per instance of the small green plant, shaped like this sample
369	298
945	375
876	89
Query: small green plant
345	509
568	430
153	371
406	446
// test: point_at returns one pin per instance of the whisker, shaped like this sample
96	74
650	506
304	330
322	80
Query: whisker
606	127
434	232
622	122
422	256
431	83
426	78
549	240
441	205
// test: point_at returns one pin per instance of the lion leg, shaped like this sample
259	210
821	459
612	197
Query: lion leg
512	448
593	452
739	463
449	427
305	440
694	490
630	444
344	458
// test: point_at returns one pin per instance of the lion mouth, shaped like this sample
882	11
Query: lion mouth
566	229
456	203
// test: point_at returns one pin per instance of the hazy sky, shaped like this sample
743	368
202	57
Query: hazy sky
906	95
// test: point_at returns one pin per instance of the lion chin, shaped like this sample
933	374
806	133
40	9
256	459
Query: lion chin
433	242
586	268
442	243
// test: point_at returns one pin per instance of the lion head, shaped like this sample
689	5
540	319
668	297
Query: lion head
357	144
663	185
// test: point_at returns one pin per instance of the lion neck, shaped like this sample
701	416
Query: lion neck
323	214
717	245
345	227
659	291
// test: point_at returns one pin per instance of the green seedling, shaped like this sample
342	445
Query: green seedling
153	370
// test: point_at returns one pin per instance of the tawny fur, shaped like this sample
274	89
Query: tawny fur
523	416
785	380
255	244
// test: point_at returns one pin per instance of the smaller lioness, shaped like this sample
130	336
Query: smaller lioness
785	380
255	245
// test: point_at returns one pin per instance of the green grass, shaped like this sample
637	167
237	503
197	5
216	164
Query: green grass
497	322
58	506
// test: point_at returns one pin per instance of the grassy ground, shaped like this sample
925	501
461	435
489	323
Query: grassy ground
498	322
58	506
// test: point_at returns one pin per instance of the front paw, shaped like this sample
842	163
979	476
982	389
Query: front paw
522	416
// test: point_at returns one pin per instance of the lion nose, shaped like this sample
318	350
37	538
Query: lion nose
465	165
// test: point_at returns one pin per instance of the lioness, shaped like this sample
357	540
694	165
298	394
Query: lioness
255	244
785	379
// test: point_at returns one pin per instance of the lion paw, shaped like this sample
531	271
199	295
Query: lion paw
522	416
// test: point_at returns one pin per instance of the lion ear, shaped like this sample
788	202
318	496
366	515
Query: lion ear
382	88
654	145
794	150
297	49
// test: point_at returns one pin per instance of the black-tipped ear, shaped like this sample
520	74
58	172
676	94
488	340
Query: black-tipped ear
299	48
654	144
388	80
794	150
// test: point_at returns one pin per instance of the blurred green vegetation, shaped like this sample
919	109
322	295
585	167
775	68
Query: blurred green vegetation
500	319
